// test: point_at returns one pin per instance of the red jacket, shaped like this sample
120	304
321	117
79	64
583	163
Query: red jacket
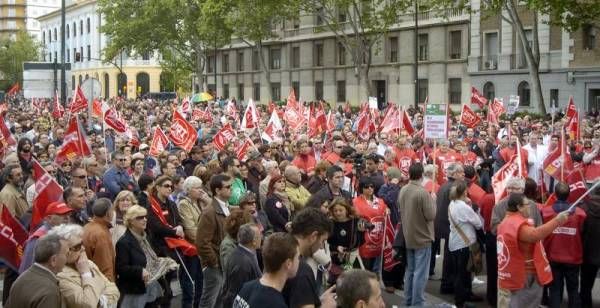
564	245
592	170
306	163
375	214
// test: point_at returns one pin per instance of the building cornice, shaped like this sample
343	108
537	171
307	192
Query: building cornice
68	8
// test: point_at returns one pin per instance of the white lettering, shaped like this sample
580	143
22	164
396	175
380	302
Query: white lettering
565	230
8	234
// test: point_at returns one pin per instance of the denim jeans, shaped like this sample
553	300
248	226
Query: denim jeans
212	287
417	273
191	293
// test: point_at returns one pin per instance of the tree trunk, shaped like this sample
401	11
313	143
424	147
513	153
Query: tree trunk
200	80
532	59
266	71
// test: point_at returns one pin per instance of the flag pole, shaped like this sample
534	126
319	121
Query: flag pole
587	192
562	154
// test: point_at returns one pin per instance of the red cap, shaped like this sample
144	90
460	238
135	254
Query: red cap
58	208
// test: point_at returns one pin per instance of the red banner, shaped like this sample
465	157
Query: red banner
47	191
74	143
159	142
243	148
558	163
14	89
477	98
79	101
388	251
182	133
12	239
508	171
173	243
224	136
114	121
57	110
498	107
468	117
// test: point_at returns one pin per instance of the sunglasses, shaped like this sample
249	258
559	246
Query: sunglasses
80	176
67	165
76	248
167	186
227	186
122	159
140	217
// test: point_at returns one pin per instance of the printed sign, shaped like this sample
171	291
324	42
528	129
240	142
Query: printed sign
436	121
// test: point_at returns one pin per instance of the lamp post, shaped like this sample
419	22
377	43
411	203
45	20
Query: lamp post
63	74
416	66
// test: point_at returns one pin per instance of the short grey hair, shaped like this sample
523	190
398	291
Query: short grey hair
47	246
246	234
290	170
516	182
67	232
191	181
270	165
453	168
87	162
429	170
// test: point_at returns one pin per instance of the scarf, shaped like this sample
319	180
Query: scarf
283	197
157	267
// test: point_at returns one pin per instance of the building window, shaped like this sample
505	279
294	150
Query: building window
522	58
318	90
296	87
74	29
275	58
296	22
342	16
68	55
589	36
225	63
89	52
455	44
341	54
81	53
276	90
55	56
88	26
240	61
295	57
75	55
44	37
393	49
554	97
318	54
81	27
489	90
67	31
55	35
341	90
240	94
524	94
454	90
80	79
256	91
255	60
226	90
210	65
146	55
73	82
423	47
423	90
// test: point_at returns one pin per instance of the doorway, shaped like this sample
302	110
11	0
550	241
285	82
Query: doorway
593	99
380	92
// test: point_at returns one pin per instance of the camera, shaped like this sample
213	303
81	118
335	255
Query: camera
365	225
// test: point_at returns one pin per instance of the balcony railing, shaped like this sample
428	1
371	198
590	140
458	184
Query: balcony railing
488	63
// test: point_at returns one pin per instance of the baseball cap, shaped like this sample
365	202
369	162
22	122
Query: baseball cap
143	146
394	173
57	208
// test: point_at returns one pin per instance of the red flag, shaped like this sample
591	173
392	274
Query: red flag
97	108
272	107
554	161
468	117
274	126
571	109
390	120
250	119
388	250
477	98
498	107
79	101
330	122
509	170
243	148
47	191
7	137
114	121
573	127
57	109
185	105
14	89
291	100
293	119
182	133
317	123
159	142
577	186
12	239
74	143
405	122
347	108
363	122
225	135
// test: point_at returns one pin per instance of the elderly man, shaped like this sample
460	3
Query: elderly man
75	199
11	194
116	178
272	169
297	194
97	238
537	152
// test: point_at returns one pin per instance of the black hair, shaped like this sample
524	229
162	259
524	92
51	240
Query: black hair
415	172
514	201
216	182
310	220
332	170
144	181
562	191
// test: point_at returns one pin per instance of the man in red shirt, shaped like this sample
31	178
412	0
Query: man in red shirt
405	156
444	156
511	150
564	249
305	161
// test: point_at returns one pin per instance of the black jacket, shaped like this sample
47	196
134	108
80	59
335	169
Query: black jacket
278	215
389	193
241	268
159	231
591	231
324	194
189	165
130	261
442	224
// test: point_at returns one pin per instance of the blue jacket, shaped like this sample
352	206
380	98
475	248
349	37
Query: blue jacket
389	193
115	180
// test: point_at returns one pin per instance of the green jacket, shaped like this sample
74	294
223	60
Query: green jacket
237	191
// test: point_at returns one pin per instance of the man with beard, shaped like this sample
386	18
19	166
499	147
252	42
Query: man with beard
231	167
335	178
311	228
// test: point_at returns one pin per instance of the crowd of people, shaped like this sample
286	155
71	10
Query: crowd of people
300	220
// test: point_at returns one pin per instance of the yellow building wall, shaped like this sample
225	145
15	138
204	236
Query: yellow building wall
130	72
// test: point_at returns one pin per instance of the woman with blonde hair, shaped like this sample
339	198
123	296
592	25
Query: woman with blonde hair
138	267
124	200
